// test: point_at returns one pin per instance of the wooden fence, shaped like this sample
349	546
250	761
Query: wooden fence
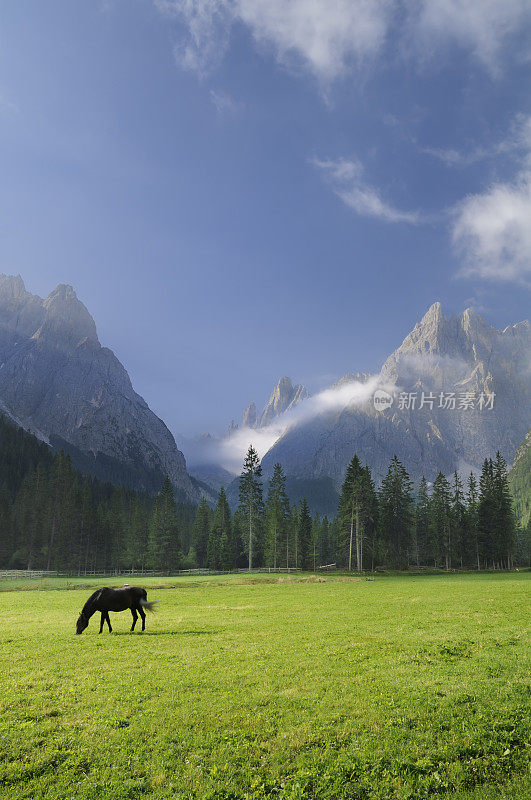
14	574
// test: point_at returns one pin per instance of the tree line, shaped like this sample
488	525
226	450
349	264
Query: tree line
445	526
53	517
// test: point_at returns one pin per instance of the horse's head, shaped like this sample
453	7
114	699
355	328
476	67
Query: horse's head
82	623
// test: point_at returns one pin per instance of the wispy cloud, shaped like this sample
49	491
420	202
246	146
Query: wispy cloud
516	142
345	176
324	35
333	37
492	230
224	103
229	452
485	28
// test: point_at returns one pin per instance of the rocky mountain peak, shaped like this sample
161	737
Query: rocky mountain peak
57	379
249	416
67	319
12	287
283	397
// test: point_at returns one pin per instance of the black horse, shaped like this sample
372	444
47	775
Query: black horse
105	600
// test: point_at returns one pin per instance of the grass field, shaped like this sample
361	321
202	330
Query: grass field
288	688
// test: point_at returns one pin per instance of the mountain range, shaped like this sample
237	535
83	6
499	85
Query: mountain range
455	391
446	360
57	381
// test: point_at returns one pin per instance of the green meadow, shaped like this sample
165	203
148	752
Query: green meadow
269	687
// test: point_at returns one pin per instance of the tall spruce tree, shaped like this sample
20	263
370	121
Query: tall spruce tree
505	523
472	521
459	520
357	514
201	532
276	518
164	545
487	509
251	506
292	539
304	536
423	546
315	542
396	514
220	553
441	519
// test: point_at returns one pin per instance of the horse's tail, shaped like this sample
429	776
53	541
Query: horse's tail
148	605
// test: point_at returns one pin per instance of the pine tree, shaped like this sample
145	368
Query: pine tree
164	545
368	519
304	536
315	542
201	532
441	519
396	514
6	529
325	542
505	523
219	549
138	530
459	544
357	515
348	511
487	508
251	505
472	521
424	548
276	518
292	540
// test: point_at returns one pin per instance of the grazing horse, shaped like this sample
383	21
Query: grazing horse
105	600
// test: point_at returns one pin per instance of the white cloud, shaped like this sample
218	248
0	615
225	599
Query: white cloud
516	142
230	451
208	24
330	37
324	35
493	231
224	103
482	27
346	178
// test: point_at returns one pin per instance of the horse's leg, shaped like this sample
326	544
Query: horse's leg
108	621
135	617
102	620
142	615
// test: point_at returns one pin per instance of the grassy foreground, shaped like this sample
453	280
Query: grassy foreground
289	688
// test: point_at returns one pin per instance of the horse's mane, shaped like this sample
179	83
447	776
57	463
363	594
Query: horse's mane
92	599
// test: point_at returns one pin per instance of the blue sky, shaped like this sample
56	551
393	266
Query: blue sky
244	189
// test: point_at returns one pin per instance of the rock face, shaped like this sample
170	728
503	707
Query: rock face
456	355
249	416
283	397
57	379
520	482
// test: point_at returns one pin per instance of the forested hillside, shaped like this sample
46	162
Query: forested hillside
54	517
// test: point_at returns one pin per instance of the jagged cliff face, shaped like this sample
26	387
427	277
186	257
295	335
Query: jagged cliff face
456	355
284	397
57	379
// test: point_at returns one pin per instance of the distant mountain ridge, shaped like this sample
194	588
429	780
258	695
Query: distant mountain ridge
456	355
58	381
283	398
